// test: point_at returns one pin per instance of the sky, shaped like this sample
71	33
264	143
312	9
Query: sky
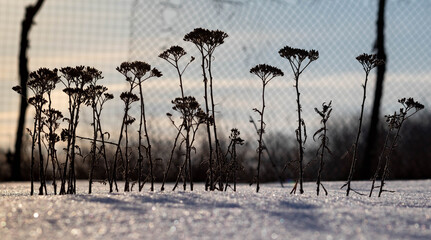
105	33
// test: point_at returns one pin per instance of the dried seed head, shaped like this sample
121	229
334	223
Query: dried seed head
299	54
369	61
174	53
313	55
43	80
108	96
411	103
156	73
201	37
17	89
129	120
266	72
129	97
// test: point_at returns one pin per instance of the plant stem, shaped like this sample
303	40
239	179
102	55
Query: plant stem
126	172
323	146
271	159
39	143
51	142
171	158
376	174
260	135
235	166
299	131
188	153
388	157
217	143
149	155
141	156
118	151
208	123
355	146
102	137
93	149
69	130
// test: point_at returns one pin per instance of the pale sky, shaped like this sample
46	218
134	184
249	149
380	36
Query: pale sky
105	33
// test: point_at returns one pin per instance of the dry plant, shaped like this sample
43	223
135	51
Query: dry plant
192	117
270	157
97	96
207	41
40	83
135	74
395	122
128	97
368	62
297	60
173	56
140	70
51	121
266	73
75	80
325	113
233	166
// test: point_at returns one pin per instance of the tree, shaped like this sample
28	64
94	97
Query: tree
379	47
30	13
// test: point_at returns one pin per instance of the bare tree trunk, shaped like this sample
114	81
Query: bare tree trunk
370	150
26	24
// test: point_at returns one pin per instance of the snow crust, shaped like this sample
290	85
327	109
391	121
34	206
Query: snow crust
272	213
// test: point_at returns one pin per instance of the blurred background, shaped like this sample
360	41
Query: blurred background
103	34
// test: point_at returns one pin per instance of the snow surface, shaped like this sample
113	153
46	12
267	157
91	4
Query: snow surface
270	214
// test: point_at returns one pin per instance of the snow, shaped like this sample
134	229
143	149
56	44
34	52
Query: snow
272	213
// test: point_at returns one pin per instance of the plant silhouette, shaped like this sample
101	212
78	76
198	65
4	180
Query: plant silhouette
173	56
207	41
266	73
325	113
233	166
41	82
298	63
75	80
97	96
394	122
368	62
136	74
192	117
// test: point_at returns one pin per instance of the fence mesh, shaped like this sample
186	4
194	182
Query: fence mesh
105	33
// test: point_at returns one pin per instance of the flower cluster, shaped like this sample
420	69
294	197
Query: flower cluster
189	108
369	61
298	54
80	75
129	97
137	68
173	53
325	112
234	136
43	80
266	72
40	82
410	103
209	39
395	120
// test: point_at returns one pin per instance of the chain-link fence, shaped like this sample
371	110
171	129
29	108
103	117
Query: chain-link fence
105	33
